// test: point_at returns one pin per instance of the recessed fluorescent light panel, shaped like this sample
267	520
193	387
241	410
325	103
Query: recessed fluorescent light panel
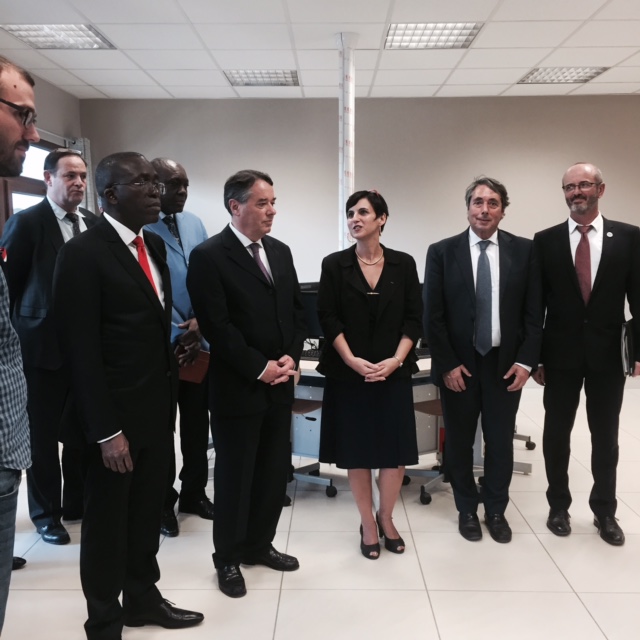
58	36
262	78
562	75
432	35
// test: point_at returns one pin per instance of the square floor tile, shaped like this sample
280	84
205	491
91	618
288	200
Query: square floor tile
617	614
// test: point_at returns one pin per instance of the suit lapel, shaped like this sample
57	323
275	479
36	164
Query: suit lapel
241	256
51	226
388	279
462	254
274	258
608	247
505	251
351	275
563	247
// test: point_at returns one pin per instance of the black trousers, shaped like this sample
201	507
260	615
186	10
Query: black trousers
604	391
486	394
194	443
49	500
120	537
253	457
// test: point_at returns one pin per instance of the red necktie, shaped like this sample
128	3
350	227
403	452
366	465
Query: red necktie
143	259
583	262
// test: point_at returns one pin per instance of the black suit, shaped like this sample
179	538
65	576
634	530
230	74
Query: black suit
247	322
449	297
581	344
33	240
116	337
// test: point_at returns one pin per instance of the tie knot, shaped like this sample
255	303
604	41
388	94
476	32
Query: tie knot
138	242
168	219
484	244
584	229
72	216
255	249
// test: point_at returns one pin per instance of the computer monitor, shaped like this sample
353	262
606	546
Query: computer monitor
309	294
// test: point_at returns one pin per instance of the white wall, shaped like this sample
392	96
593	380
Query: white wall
419	153
58	111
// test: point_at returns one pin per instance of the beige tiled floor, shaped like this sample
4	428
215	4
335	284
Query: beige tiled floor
538	587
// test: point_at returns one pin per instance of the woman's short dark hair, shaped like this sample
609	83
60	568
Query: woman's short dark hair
493	184
377	202
238	186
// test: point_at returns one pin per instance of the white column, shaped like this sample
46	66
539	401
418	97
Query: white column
346	44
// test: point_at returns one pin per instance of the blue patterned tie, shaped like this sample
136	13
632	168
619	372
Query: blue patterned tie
483	301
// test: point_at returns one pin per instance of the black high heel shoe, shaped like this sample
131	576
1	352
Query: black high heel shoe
368	549
390	544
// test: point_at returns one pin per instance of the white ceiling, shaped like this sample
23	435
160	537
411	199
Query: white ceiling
178	48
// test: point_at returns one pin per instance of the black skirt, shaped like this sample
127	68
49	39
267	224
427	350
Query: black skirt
368	425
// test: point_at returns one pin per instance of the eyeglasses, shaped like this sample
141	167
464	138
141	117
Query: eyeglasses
583	186
27	115
156	186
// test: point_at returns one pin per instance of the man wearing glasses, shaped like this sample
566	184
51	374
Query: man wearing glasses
589	265
32	239
112	303
17	131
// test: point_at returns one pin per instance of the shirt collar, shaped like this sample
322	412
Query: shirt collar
474	238
597	224
245	241
59	211
125	233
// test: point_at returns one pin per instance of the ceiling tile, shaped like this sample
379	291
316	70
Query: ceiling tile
201	93
58	76
410	77
247	36
366	59
190	78
323	59
269	92
362	92
442	10
32	60
234	11
614	33
423	91
502	58
587	56
283	59
623	74
620	10
524	34
114	77
161	59
128	11
151	36
425	59
486	76
607	88
538	90
93	59
633	61
364	77
457	91
8	42
82	91
323	36
550	9
321	92
338	10
128	92
38	12
321	77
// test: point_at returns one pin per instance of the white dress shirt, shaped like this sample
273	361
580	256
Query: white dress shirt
66	226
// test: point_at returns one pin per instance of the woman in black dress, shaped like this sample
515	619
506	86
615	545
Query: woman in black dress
370	308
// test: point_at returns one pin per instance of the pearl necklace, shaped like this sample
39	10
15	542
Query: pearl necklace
370	264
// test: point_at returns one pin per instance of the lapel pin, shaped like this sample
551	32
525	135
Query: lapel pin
609	234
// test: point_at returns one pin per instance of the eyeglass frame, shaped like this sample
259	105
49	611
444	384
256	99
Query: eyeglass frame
583	185
157	186
28	116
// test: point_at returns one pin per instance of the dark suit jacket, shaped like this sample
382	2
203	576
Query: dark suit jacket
115	335
450	305
32	239
245	320
343	307
574	333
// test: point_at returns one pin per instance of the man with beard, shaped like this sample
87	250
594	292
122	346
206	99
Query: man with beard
589	265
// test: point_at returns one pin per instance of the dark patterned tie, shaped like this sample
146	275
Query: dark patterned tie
483	301
255	249
75	221
583	262
170	221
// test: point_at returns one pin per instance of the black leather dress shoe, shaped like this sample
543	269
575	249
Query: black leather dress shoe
498	526
231	581
18	563
169	523
54	533
164	615
558	522
274	560
610	530
469	526
202	507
